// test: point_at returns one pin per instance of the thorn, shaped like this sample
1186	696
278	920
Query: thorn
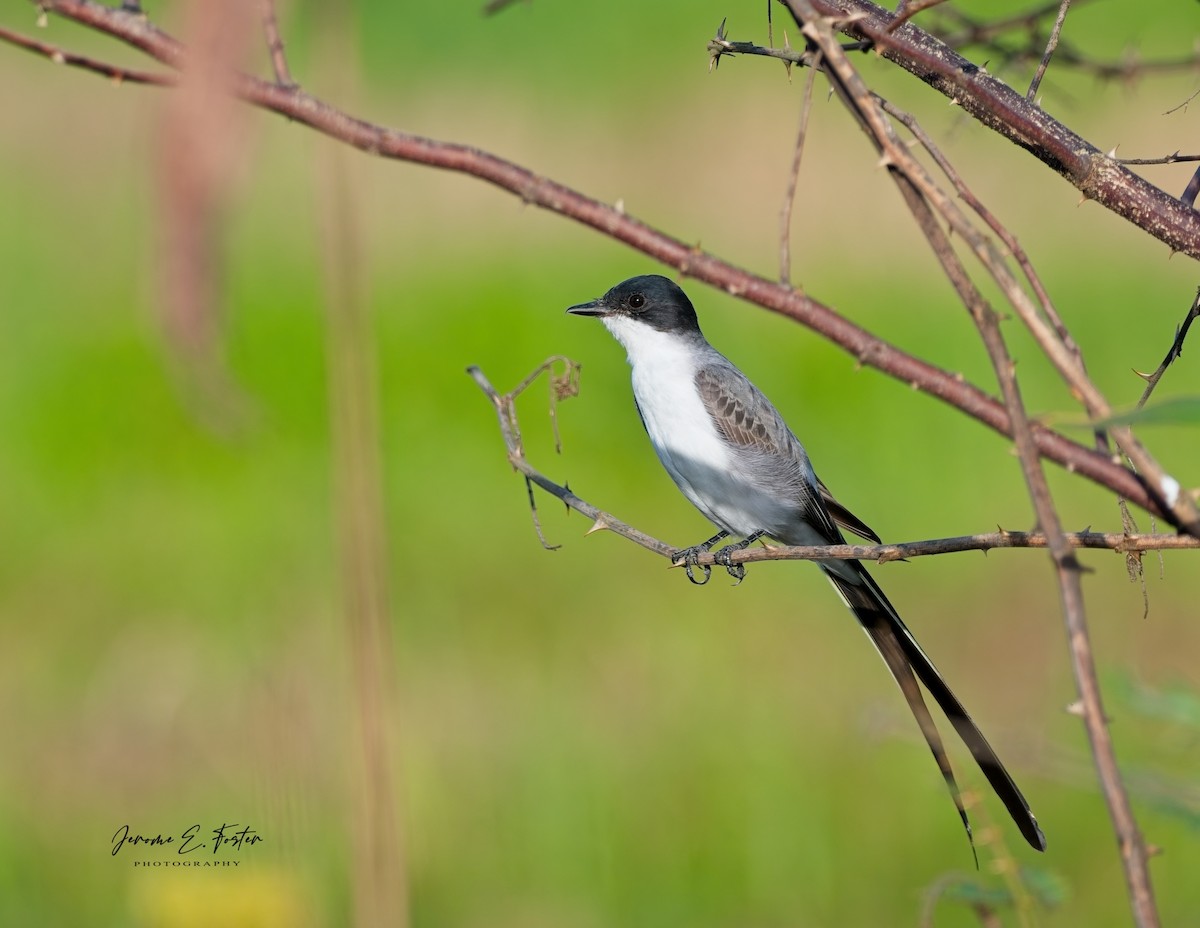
598	526
954	101
1144	376
1112	152
885	161
1075	708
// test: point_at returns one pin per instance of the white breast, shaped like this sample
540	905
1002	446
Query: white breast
679	426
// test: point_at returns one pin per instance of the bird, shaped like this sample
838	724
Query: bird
734	458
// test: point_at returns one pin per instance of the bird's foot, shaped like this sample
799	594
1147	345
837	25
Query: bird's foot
723	557
687	557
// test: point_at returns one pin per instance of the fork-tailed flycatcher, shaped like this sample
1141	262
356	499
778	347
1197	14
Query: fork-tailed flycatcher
730	452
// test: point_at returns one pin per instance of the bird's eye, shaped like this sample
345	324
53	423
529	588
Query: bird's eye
637	301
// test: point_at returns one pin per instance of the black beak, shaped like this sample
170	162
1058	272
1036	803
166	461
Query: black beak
594	308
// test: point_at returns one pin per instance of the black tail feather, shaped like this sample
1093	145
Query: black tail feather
904	657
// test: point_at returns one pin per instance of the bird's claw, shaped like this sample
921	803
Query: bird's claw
688	558
723	557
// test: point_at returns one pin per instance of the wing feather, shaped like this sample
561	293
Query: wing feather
746	419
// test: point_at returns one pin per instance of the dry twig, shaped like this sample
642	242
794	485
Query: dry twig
789	196
510	431
924	200
283	75
1051	45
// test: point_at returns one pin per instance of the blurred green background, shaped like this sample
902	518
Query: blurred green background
583	739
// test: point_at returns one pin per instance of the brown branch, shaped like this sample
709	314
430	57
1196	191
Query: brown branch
1134	856
789	196
283	75
924	199
1051	45
1000	108
303	108
1010	241
986	541
1188	197
1173	352
510	431
1184	104
1133	560
1184	513
720	47
1176	158
118	74
1054	339
906	10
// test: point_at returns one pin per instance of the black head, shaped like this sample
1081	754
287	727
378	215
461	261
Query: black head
650	299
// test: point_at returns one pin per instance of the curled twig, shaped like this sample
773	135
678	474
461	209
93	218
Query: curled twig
985	541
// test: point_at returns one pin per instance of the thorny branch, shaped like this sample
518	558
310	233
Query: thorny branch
1184	511
303	108
1000	108
925	200
1174	158
504	405
1173	352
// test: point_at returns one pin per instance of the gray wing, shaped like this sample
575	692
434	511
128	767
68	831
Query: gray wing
844	517
746	418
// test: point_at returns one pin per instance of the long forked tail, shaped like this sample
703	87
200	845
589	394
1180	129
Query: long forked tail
905	658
